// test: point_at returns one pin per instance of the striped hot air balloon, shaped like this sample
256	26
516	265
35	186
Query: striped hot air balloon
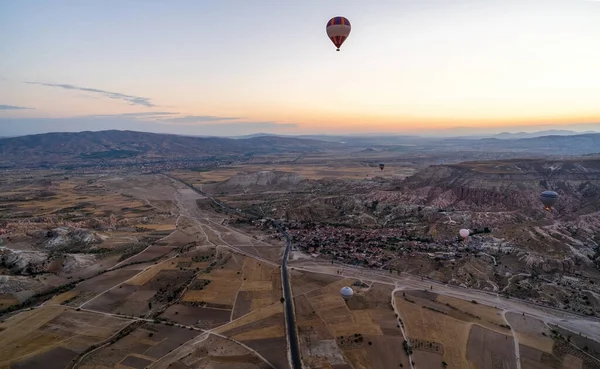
338	29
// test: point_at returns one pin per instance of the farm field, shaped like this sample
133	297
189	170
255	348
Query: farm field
263	330
531	332
340	169
490	350
142	347
209	351
225	281
52	334
362	332
461	333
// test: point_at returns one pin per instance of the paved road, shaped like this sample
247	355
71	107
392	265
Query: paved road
292	334
588	326
289	302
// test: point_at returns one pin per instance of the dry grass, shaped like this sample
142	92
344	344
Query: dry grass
303	282
334	169
541	343
572	362
8	300
262	333
148	274
529	332
36	331
360	321
254	316
219	291
485	312
159	227
262	282
358	357
224	286
59	299
490	350
425	324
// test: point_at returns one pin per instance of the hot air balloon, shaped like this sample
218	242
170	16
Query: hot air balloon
346	293
338	29
464	233
548	198
381	166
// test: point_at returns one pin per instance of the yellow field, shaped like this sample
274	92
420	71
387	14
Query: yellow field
159	227
73	192
255	270
7	300
358	357
312	171
427	325
332	289
327	302
145	276
257	334
224	286
544	344
340	320
254	316
59	299
361	322
257	286
219	291
485	312
20	336
262	281
23	336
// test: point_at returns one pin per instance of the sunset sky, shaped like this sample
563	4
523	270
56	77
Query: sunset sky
225	67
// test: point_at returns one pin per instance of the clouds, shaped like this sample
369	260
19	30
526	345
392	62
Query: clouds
12	107
140	115
132	100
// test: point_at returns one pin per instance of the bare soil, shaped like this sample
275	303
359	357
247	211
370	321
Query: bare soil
490	350
205	318
57	358
272	349
136	362
427	359
303	282
387	352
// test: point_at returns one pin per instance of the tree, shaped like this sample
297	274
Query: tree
282	300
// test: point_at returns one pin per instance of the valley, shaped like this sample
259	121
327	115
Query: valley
182	268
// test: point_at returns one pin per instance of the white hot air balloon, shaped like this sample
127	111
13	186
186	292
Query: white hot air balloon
346	293
464	233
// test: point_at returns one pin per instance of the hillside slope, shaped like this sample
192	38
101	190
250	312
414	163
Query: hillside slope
123	145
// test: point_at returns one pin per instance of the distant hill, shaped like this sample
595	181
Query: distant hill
580	144
551	132
60	148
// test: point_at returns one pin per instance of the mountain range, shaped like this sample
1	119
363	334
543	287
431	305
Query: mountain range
114	145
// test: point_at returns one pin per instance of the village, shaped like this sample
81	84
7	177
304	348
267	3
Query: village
375	248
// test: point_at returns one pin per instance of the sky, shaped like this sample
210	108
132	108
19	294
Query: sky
227	67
